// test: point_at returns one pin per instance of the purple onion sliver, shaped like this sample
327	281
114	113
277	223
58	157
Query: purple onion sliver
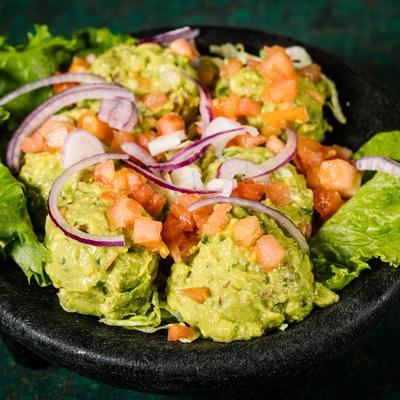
185	32
59	220
250	170
377	163
39	115
258	207
161	182
51	80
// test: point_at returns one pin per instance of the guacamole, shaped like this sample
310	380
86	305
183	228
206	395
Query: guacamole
300	209
151	68
112	282
244	301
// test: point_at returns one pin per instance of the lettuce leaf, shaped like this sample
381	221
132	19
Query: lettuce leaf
367	227
17	238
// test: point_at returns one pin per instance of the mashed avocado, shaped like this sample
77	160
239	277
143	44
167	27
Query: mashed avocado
113	282
149	68
243	301
300	210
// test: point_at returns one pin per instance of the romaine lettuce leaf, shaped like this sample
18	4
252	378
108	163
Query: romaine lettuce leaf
17	238
367	227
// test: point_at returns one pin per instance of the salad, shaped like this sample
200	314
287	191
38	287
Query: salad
159	188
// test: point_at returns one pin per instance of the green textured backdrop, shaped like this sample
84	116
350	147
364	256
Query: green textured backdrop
366	33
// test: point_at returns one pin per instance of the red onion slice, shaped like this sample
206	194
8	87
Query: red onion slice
79	145
140	154
59	220
70	96
258	207
51	80
119	114
185	32
376	163
164	184
250	170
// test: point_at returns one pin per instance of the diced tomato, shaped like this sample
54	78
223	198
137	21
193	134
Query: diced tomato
55	123
327	202
79	65
230	67
146	231
184	216
120	181
278	193
178	332
60	87
142	194
120	138
155	100
188	199
339	175
184	48
247	231
133	179
248	107
269	253
124	213
33	144
218	220
89	122
311	72
156	204
231	106
277	65
110	197
105	172
198	294
282	90
143	139
274	144
247	140
275	121
170	123
250	190
254	64
311	153
312	177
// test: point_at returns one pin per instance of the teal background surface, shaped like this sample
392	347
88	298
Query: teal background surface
363	32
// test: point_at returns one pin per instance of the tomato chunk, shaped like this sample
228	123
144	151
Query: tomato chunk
278	193
33	144
198	294
89	122
277	64
250	190
269	253
119	138
155	100
247	140
230	67
178	332
170	123
282	90
184	48
105	172
339	175
247	231
327	202
146	231
124	213
274	144
248	107
218	220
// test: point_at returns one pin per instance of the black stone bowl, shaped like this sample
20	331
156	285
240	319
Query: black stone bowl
279	362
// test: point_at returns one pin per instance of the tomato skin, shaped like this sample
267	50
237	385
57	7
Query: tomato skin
327	202
178	331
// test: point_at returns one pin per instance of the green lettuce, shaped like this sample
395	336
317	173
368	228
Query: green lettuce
17	238
367	227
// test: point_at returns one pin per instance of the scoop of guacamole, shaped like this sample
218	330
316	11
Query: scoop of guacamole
149	68
112	282
300	210
244	301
